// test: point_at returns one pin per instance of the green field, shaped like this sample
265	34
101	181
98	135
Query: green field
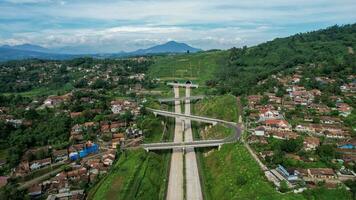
136	175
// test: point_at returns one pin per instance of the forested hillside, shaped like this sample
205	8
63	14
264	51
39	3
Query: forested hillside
331	48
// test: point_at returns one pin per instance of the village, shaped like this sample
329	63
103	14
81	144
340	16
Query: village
93	140
300	138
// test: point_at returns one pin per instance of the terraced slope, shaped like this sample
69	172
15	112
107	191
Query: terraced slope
198	67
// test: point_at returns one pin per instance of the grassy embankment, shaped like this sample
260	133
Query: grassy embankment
219	107
136	175
231	172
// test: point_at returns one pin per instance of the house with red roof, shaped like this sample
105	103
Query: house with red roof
277	124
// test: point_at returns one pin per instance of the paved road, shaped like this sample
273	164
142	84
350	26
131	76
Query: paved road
192	117
175	184
193	187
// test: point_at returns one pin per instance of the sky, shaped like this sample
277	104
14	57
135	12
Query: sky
126	25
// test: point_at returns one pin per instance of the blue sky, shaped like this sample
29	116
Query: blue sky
108	25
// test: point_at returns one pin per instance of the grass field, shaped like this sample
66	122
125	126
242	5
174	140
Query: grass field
136	175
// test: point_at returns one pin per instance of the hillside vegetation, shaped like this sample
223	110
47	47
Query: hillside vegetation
332	48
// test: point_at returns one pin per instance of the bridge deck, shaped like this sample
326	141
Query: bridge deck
183	145
183	85
181	98
191	117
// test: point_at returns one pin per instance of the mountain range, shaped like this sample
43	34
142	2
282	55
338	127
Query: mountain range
26	51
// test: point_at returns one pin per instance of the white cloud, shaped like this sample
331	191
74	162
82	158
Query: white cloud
130	24
29	1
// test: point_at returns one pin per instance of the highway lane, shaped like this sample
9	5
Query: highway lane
193	187
175	189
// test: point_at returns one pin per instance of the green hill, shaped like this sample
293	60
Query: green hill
330	48
238	70
198	67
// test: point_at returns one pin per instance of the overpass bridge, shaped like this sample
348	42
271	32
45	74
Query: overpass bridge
183	145
193	144
191	117
164	100
187	84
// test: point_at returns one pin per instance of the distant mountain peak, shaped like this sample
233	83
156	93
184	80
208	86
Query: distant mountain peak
168	47
35	51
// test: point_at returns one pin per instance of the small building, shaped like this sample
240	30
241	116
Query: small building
259	131
115	126
290	175
60	155
133	132
267	113
310	143
40	163
119	106
329	120
279	124
283	135
344	109
336	134
321	173
35	191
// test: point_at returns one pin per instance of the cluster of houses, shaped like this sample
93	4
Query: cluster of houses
86	171
121	106
84	164
267	119
53	101
83	159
